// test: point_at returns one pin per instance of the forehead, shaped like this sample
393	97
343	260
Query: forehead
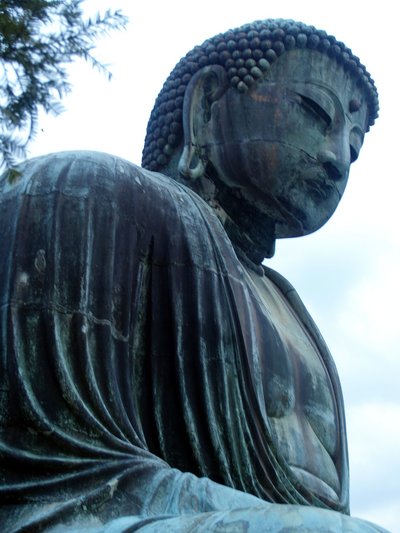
311	67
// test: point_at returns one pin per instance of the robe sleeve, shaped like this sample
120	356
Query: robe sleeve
97	276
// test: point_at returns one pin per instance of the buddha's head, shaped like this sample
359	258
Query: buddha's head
264	122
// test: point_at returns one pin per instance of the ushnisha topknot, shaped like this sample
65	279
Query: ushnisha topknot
246	53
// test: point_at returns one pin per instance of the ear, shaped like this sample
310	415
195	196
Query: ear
205	87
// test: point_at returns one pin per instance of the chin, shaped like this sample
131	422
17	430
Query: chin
305	219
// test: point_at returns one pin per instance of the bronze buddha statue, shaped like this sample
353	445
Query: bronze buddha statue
156	375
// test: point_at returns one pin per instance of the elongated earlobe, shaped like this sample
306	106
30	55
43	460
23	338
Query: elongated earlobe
205	87
190	165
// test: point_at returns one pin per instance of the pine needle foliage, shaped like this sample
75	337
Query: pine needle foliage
38	39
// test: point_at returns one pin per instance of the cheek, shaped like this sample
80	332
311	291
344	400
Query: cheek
267	166
250	164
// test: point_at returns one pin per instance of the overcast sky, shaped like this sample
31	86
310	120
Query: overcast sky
348	272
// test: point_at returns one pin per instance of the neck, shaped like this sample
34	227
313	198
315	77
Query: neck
251	231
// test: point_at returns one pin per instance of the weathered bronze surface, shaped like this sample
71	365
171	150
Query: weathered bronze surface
155	376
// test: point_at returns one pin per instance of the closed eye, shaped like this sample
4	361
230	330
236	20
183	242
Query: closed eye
356	141
353	154
312	106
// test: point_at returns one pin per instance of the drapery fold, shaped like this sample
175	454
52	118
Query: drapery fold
130	347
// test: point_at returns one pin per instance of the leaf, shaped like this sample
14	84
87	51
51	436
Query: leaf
38	39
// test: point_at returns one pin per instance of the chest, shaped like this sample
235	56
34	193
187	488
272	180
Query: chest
293	378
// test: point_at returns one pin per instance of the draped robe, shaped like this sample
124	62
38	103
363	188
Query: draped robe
130	351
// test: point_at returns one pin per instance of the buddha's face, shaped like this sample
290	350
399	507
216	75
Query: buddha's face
287	144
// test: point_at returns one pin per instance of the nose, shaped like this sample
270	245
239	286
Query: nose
332	164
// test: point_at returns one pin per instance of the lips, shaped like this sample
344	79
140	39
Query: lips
320	188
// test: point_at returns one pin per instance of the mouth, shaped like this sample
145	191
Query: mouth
320	188
307	203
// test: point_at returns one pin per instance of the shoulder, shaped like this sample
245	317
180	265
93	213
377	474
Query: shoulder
84	187
104	178
77	172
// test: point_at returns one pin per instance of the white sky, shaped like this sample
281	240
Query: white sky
348	272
